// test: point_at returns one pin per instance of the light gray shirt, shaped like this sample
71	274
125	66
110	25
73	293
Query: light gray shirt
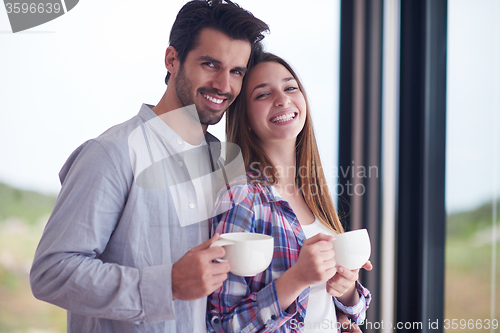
107	251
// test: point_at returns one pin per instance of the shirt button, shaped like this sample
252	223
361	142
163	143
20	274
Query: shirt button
191	205
181	164
179	142
273	317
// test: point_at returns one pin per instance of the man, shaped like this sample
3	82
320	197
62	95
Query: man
126	248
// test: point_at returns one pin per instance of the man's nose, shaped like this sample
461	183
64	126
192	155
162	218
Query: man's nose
222	83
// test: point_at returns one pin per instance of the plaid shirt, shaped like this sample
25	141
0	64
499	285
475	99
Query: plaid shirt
250	304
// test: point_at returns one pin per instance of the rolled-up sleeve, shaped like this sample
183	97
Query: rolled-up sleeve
357	312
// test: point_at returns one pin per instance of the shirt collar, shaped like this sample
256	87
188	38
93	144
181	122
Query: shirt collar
171	137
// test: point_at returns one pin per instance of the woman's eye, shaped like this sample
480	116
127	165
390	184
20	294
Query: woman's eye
291	88
261	96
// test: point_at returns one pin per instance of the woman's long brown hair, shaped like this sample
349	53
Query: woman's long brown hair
312	181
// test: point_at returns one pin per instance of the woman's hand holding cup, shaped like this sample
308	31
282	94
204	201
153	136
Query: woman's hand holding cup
352	250
344	283
315	264
316	261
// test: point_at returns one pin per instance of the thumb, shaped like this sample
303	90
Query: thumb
368	266
318	238
206	244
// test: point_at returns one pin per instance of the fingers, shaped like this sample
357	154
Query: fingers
218	280
220	268
319	237
215	252
206	244
320	243
209	253
342	281
348	274
368	266
316	261
318	253
216	274
344	278
321	256
346	325
195	275
336	289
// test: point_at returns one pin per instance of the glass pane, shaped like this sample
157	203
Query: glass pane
472	295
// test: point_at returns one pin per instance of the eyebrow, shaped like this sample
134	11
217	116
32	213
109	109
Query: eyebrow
263	85
218	62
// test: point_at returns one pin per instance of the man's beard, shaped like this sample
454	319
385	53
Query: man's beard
183	89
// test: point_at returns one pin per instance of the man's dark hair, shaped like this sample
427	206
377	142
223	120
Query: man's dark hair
224	16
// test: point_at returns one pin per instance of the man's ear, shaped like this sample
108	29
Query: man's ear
171	60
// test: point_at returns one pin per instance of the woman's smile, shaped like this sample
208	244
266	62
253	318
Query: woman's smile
283	117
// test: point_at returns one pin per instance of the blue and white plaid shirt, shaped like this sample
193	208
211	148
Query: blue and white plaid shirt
250	304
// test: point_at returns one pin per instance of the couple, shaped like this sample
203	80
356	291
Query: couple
117	252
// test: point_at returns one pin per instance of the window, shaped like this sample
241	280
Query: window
472	292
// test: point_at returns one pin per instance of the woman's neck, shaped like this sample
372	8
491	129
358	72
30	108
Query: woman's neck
284	159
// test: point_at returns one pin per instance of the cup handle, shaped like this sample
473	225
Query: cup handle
222	242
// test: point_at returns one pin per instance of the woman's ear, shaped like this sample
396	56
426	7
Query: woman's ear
171	60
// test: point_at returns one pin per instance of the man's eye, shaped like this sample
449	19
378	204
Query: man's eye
237	72
209	64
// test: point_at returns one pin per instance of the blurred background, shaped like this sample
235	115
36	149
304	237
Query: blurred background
70	79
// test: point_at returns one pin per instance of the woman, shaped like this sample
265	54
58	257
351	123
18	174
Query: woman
286	196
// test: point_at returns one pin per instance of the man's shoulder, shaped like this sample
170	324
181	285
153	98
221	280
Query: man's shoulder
119	134
111	146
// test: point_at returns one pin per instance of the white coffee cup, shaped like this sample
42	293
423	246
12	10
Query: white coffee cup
352	248
248	253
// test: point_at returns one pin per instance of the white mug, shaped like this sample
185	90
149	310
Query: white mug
248	253
352	248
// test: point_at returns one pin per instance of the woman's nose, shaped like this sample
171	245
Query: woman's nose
281	100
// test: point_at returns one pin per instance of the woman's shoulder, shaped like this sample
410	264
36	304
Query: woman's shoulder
245	188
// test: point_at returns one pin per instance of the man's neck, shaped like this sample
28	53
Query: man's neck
183	120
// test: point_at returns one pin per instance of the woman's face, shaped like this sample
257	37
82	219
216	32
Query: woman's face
276	108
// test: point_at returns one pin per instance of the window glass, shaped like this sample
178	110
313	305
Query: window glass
472	295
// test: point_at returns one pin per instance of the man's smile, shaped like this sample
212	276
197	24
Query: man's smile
213	99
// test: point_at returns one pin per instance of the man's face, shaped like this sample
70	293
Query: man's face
212	74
